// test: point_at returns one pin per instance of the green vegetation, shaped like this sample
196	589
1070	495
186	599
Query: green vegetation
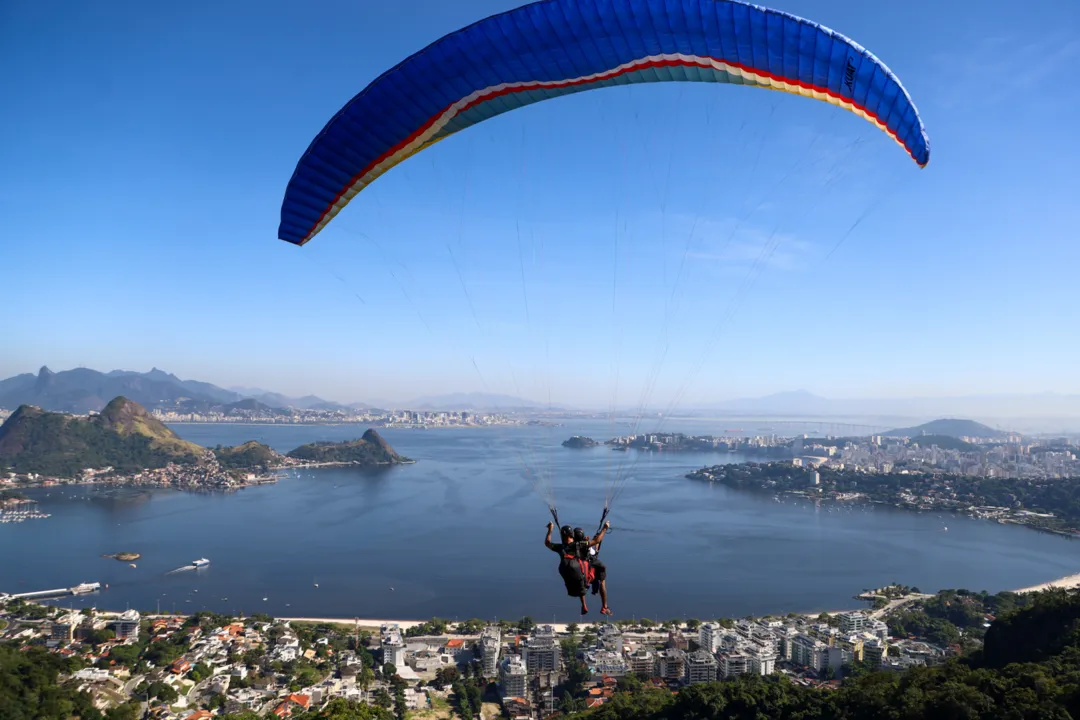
944	442
371	449
11	495
30	688
124	436
435	626
579	442
467	699
249	455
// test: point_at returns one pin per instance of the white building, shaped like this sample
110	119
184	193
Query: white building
513	677
809	652
764	662
854	622
606	662
709	635
838	657
609	637
126	626
701	667
491	646
393	646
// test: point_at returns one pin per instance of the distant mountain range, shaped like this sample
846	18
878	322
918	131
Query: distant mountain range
801	402
83	390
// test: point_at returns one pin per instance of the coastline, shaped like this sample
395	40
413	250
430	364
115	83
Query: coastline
1069	582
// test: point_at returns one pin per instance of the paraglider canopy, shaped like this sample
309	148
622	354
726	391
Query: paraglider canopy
558	47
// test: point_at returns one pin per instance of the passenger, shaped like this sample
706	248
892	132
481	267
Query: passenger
572	568
599	569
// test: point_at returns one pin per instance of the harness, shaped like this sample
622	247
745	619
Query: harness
588	572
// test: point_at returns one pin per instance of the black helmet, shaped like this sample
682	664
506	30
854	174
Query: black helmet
566	531
579	534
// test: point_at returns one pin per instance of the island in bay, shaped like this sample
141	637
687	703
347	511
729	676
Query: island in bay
124	444
579	441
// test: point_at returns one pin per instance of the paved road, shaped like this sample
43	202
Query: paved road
894	604
130	685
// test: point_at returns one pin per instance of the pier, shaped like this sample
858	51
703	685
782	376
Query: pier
81	589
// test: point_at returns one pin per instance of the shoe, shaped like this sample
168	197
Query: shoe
606	611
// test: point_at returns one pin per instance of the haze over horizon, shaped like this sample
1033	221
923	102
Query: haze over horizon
582	251
1028	413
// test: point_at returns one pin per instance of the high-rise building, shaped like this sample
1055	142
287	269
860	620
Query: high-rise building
853	622
809	652
763	662
491	646
642	662
701	667
875	652
732	664
513	677
63	628
393	645
609	637
671	664
709	635
126	626
541	651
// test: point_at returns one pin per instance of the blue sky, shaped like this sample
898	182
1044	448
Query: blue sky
148	145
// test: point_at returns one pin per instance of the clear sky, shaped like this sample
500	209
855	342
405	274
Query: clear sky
146	148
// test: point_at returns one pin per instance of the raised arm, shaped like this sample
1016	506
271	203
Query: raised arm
600	538
547	540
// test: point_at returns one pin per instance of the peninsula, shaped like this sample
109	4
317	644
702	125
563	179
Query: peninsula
1049	505
370	449
124	444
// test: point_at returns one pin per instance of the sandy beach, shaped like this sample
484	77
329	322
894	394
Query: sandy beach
1069	582
369	624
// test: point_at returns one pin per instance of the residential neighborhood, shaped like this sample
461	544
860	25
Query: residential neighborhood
191	668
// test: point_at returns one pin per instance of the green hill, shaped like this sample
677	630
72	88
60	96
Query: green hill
249	455
945	442
123	436
371	449
950	427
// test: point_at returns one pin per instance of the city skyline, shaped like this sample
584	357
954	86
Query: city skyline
994	408
591	251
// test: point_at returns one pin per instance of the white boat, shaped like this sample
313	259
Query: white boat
201	562
83	588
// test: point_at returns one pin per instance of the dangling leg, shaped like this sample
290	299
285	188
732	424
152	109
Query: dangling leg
600	579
